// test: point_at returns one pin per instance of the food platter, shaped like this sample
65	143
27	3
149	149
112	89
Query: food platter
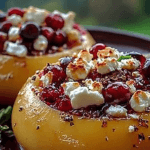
121	40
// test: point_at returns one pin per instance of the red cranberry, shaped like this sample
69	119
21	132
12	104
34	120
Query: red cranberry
54	21
5	26
146	69
60	38
16	10
138	56
93	75
77	27
64	104
2	17
48	33
59	74
95	48
117	93
3	38
30	30
65	61
49	94
29	45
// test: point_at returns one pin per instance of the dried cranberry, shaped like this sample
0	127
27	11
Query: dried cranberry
95	48
116	93
5	26
146	69
16	10
3	38
60	38
54	21
2	17
59	75
138	56
49	94
65	61
78	27
48	33
93	75
64	104
30	30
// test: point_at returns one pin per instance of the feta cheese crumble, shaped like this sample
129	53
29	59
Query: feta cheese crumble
15	49
82	97
140	101
13	33
40	43
105	66
130	64
14	19
117	111
131	129
70	86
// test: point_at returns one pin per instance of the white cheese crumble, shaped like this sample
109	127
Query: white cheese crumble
47	78
105	66
117	111
131	129
15	49
40	43
13	33
93	85
14	19
85	55
140	101
108	52
130	64
82	97
78	69
132	88
35	14
70	86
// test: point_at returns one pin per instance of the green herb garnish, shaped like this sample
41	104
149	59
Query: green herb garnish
5	124
124	57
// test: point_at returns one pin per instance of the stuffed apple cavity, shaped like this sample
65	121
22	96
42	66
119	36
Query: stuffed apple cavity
95	99
32	37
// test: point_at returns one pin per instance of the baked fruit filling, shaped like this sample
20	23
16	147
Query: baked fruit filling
101	82
33	31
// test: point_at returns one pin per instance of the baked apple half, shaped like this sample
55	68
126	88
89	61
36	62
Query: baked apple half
31	37
96	99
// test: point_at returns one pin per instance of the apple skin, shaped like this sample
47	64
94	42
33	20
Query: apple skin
15	71
37	126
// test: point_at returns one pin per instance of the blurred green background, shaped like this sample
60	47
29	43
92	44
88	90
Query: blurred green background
131	15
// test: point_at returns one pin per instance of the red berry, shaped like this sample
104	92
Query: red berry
60	38
49	94
95	48
2	17
30	31
48	33
3	38
146	69
5	26
64	104
16	10
116	93
58	74
54	21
